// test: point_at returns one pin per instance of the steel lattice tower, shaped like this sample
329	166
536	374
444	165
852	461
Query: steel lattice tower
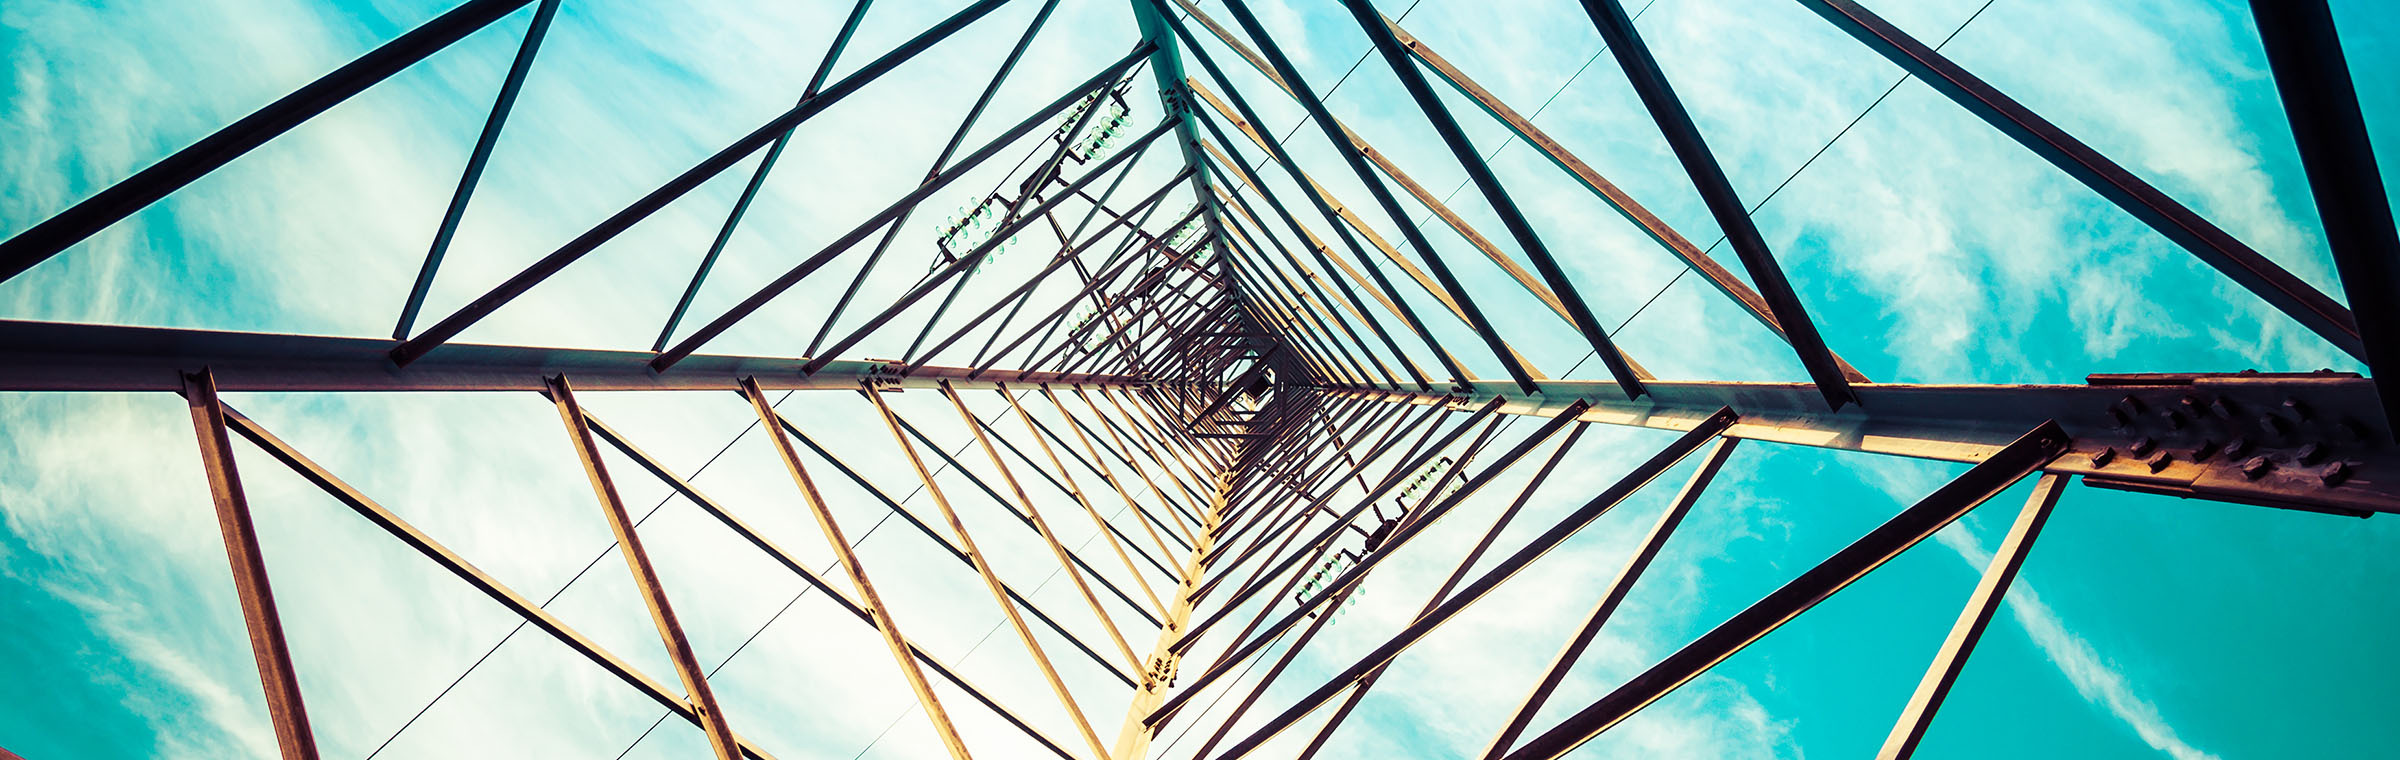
1228	372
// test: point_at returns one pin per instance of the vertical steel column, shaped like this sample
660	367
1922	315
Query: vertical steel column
884	624
1284	160
1134	735
1971	621
282	684
645	577
2319	100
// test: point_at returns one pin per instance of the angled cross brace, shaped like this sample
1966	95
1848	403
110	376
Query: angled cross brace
1616	198
814	580
2314	80
483	582
2022	457
645	577
476	160
285	709
2214	246
1717	192
1496	194
758	177
53	235
1501	571
1910	729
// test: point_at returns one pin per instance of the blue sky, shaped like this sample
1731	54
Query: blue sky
1929	248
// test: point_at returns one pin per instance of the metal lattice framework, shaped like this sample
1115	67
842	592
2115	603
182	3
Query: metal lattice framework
1219	376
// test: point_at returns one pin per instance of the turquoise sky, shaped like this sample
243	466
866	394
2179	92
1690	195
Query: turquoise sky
1929	248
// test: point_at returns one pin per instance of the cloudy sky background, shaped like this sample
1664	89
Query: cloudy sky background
1929	248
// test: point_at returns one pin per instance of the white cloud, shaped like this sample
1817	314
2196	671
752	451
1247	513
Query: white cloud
2100	681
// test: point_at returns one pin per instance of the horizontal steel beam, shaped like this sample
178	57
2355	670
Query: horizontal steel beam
2312	442
58	356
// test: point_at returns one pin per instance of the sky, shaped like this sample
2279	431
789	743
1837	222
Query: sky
1929	248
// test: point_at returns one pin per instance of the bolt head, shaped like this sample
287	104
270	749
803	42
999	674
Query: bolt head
2312	454
2256	468
2334	474
2298	408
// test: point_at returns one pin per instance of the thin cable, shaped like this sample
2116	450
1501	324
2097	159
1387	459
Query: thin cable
1512	134
1328	96
987	636
762	628
562	589
1787	180
1337	84
1812	158
1229	689
860	541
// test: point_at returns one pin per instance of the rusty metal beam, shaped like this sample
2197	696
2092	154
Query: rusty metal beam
884	624
285	709
645	576
991	581
2311	441
1910	729
483	582
2212	245
2313	79
1683	136
57	356
2012	463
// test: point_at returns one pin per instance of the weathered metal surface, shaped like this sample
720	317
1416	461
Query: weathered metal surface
58	356
2307	441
